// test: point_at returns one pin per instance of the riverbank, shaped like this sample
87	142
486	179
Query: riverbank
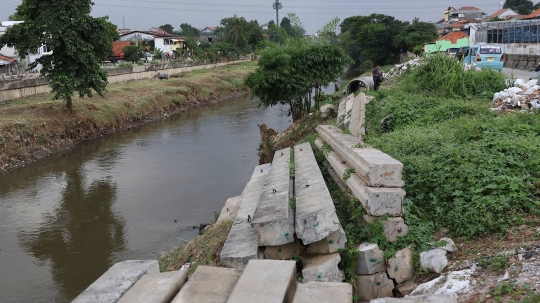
35	127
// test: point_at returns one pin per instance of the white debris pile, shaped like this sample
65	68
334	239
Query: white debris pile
472	66
399	69
523	95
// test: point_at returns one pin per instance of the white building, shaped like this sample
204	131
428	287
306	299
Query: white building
169	45
138	35
12	52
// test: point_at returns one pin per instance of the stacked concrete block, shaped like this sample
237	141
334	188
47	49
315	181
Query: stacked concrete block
242	243
274	217
284	252
323	268
156	288
344	111
324	292
208	284
358	116
268	281
375	179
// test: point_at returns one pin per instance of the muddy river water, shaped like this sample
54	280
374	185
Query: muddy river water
66	219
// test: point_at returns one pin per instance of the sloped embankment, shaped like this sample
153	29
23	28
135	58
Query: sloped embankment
35	127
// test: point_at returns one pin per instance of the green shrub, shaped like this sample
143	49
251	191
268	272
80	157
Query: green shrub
125	64
444	76
154	62
140	62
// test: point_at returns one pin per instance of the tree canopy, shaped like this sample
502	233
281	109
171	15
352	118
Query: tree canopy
187	30
78	43
523	7
371	38
417	33
289	74
167	28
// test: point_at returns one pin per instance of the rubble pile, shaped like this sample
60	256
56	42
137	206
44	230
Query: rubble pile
399	69
472	66
522	96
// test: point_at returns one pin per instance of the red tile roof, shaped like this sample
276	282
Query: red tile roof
453	37
469	8
499	12
4	58
118	48
456	25
531	15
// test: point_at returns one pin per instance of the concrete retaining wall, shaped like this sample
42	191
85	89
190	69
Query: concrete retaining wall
16	87
525	62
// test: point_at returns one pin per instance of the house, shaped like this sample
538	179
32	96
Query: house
533	15
465	12
5	64
264	26
118	50
143	35
504	14
451	40
169	45
209	32
12	52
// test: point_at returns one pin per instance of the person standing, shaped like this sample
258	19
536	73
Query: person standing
376	77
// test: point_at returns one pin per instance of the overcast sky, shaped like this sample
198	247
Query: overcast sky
143	14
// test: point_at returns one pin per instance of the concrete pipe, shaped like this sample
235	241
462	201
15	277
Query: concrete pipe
360	83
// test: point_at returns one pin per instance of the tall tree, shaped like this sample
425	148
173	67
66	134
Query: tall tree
188	30
286	25
19	12
370	38
235	30
167	28
523	7
78	43
297	27
536	6
417	33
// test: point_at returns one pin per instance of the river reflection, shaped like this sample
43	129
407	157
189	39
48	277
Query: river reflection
65	220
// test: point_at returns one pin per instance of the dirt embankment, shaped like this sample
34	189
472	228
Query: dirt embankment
35	127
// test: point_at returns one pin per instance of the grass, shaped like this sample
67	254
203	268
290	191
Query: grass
466	167
203	250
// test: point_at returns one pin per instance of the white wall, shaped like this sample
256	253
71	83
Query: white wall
137	35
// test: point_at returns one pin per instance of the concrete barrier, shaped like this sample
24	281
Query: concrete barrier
242	243
274	217
156	288
324	292
316	217
208	284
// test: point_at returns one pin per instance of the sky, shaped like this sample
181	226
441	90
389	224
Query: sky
314	14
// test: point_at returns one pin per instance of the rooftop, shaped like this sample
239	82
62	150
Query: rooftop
453	37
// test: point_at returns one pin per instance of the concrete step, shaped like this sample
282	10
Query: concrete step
284	252
377	201
156	288
116	281
274	217
268	281
230	210
446	298
316	217
376	168
208	284
369	287
242	243
323	268
330	244
324	292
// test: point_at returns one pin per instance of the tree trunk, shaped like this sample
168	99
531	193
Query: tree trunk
69	104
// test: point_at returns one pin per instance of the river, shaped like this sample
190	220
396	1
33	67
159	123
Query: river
66	219
131	195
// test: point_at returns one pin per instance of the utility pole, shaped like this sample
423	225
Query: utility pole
277	6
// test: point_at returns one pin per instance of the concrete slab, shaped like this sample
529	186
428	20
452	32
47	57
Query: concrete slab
230	210
316	217
242	243
323	268
377	201
274	217
116	281
376	168
358	116
447	298
330	244
324	292
393	227
266	281
400	267
369	287
284	252
370	259
208	284
156	288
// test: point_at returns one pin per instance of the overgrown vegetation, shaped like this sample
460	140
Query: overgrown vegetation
203	250
465	167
